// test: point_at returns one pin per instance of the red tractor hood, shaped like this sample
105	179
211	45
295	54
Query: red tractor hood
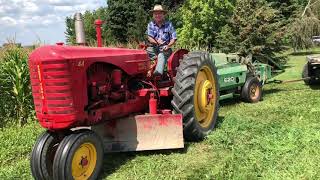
119	57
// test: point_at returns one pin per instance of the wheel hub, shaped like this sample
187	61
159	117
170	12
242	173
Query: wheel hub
254	91
84	161
205	95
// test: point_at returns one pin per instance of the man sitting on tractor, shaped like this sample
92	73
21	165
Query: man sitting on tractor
161	36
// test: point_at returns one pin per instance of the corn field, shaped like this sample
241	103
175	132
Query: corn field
16	105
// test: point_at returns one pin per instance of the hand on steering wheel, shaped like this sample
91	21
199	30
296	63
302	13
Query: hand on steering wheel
165	48
160	42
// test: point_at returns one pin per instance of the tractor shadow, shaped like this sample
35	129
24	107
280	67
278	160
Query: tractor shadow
315	87
272	91
112	162
219	122
230	102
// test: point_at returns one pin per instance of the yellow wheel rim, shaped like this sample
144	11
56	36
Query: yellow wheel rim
254	92
205	97
84	161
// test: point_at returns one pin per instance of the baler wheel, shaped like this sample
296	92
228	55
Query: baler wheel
196	95
43	154
251	91
305	74
78	157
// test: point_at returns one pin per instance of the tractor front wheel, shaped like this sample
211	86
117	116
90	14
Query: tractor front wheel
252	90
43	154
196	95
79	156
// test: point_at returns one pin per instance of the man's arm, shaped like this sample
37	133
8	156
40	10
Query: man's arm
172	42
152	40
150	35
173	37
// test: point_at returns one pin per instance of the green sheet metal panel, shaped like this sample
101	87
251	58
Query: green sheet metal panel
231	74
222	59
263	71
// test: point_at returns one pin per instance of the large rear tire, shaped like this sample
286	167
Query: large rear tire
196	95
79	156
43	154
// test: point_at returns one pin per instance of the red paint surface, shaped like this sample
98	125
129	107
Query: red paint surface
59	82
59	85
174	61
98	24
153	103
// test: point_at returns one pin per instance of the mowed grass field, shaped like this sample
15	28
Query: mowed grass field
277	138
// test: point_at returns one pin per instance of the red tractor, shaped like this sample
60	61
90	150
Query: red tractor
94	100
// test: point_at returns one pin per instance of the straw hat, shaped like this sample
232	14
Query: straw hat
158	8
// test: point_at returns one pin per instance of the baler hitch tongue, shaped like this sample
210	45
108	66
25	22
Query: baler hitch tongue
141	133
290	81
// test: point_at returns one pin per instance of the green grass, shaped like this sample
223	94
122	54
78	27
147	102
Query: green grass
278	138
16	146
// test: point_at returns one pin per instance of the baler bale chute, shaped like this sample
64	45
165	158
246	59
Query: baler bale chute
94	100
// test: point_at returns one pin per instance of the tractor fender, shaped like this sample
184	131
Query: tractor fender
174	61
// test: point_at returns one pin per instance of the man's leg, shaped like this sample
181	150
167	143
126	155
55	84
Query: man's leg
162	61
152	52
167	54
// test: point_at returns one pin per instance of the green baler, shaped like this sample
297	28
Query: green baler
239	76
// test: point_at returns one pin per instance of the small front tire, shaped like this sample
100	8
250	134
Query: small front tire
79	157
43	154
252	90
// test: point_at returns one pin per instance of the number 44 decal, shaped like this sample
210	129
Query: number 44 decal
80	63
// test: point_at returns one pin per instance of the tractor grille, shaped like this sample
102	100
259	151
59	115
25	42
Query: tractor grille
51	88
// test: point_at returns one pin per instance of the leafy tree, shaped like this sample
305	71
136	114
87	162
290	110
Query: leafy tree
88	18
70	31
255	28
305	26
201	21
126	21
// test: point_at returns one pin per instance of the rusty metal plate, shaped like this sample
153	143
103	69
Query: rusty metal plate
143	132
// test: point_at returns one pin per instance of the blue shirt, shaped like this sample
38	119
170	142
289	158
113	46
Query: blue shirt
166	32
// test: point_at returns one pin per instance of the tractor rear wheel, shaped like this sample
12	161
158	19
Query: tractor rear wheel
43	154
251	91
196	95
79	156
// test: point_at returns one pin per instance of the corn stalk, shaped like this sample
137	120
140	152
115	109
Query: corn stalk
15	91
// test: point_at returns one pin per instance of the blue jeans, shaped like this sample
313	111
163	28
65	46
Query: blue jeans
163	56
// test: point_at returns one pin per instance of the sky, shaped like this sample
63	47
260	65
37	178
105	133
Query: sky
31	21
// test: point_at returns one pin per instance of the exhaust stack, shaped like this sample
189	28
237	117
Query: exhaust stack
79	29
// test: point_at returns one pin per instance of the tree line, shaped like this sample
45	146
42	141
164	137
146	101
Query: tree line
263	28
